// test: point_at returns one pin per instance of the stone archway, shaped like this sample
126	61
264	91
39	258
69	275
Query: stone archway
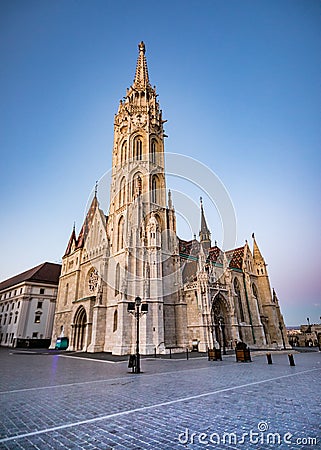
80	323
221	322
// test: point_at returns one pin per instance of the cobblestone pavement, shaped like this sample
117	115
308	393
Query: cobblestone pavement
55	401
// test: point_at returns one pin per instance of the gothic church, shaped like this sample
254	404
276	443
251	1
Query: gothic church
197	294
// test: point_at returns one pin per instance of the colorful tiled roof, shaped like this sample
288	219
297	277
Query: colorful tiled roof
189	248
215	254
235	257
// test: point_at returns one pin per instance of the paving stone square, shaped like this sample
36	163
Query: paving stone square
67	401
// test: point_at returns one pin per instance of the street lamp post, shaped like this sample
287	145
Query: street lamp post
222	325
137	309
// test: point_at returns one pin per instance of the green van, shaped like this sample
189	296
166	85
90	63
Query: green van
62	343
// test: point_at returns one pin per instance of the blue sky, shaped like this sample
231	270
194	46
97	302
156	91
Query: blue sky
238	82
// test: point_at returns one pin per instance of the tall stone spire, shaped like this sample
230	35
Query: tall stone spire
141	80
257	255
205	234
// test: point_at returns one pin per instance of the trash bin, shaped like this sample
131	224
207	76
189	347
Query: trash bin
62	343
242	352
214	354
132	362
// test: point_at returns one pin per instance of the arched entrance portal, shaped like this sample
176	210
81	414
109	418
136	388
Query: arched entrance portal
221	324
80	322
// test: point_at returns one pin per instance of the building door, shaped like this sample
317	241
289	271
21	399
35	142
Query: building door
220	323
80	322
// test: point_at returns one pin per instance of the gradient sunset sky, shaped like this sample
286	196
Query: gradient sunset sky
238	82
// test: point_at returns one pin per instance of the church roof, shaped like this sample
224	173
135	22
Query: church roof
189	248
215	254
43	273
235	257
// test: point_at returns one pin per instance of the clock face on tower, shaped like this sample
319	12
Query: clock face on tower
93	280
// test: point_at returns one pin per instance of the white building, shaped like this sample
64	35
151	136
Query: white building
27	306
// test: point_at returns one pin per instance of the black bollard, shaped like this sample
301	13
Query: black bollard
187	353
155	356
170	353
269	358
291	359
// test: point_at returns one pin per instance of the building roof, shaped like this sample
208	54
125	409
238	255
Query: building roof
46	272
235	257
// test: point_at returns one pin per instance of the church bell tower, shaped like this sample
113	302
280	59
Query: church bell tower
143	258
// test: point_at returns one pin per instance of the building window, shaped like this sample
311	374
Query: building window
15	292
153	151
20	290
115	321
138	148
117	279
10	319
42	291
39	305
123	153
37	318
154	189
239	299
34	335
66	293
5	319
122	192
16	317
120	234
18	305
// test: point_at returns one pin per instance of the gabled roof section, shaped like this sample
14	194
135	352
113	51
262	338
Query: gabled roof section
44	273
235	257
72	240
79	243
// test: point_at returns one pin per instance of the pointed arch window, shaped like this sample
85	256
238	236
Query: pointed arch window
256	295
153	150
138	148
115	321
117	279
120	234
154	189
123	153
66	294
147	280
122	192
239	299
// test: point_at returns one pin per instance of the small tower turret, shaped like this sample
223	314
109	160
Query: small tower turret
204	234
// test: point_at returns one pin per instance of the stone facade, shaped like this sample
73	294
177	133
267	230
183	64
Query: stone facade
135	251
